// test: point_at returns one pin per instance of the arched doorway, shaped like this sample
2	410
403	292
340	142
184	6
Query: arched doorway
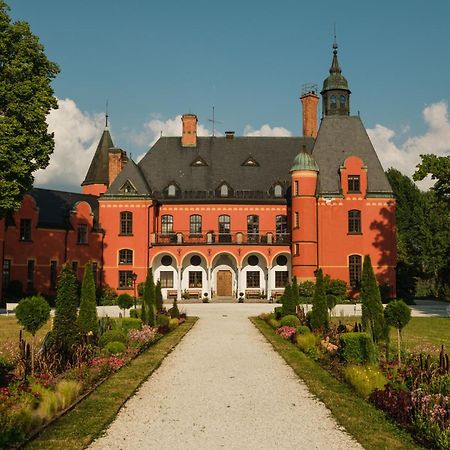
224	278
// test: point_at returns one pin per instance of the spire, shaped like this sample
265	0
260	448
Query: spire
335	68
106	115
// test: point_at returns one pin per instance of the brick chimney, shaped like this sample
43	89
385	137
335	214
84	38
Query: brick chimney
189	136
310	101
117	158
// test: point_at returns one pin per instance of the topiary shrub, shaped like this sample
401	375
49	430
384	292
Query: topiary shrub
290	321
397	314
115	347
130	323
288	301
303	329
319	312
87	316
307	343
174	311
112	336
364	379
173	323
124	301
158	297
162	320
357	348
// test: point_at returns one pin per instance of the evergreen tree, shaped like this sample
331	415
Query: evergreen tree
26	97
159	297
295	291
87	317
288	302
372	308
65	327
319	312
149	300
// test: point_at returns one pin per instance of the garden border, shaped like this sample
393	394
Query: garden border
348	409
178	334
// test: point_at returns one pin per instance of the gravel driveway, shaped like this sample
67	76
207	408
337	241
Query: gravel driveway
224	387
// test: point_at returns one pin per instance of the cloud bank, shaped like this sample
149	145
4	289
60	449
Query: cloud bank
267	130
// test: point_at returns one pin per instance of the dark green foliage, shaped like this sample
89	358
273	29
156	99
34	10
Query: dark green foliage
332	301
288	301
112	336
26	97
65	326
115	347
108	296
357	348
397	314
125	301
303	329
87	316
158	297
32	313
14	291
278	311
372	308
162	320
135	313
306	289
290	321
439	169
141	288
5	367
295	291
336	287
129	323
104	324
174	311
149	301
319	312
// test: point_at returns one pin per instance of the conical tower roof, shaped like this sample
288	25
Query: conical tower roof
304	161
98	170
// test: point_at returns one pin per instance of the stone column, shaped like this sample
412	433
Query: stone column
268	284
179	284
238	281
208	282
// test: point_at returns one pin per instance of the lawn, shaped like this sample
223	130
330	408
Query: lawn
421	335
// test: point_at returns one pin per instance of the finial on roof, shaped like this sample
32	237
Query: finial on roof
335	68
335	46
106	115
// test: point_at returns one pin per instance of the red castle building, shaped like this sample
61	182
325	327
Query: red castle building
218	215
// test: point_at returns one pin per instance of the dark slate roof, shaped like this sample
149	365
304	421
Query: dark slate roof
168	162
98	170
55	206
338	138
132	173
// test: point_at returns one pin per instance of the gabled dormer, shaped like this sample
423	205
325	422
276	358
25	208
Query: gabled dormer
199	162
224	190
250	161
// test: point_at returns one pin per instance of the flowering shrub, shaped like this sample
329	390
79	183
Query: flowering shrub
286	332
113	362
143	337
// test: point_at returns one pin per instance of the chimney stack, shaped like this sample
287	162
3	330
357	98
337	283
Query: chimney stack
229	134
310	102
189	136
117	158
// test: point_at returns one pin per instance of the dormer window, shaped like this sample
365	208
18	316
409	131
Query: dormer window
128	188
278	190
171	191
354	184
224	190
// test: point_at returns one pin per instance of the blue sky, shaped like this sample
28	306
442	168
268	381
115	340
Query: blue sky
156	60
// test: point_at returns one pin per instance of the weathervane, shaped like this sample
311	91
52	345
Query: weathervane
214	121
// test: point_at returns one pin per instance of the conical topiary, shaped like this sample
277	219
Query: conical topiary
295	291
158	297
319	313
87	316
149	300
288	302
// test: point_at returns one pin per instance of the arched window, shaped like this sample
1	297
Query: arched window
354	221
278	190
342	100
126	222
195	224
171	191
333	102
125	256
224	228
224	190
253	228
355	269
166	224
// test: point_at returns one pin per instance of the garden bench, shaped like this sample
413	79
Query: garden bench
252	293
195	293
277	293
172	294
10	307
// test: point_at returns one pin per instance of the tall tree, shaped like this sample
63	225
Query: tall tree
87	317
159	297
26	97
439	169
288	301
319	313
149	300
372	308
295	291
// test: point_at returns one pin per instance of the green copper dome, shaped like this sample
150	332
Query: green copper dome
304	161
335	80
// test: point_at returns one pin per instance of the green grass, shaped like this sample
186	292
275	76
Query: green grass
421	335
363	421
79	427
10	328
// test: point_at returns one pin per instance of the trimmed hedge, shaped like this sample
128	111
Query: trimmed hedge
112	336
357	348
290	321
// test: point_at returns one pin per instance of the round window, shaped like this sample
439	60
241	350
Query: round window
253	260
166	260
281	260
196	260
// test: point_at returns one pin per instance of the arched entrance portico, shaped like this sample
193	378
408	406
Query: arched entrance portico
224	275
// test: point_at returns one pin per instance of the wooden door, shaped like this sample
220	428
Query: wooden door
224	283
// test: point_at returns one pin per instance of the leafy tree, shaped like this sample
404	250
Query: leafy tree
306	291
397	314
124	301
335	287
26	97
332	301
288	302
159	297
65	325
319	312
295	291
87	317
372	308
149	300
439	169
32	313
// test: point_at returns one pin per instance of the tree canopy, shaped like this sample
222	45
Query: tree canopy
439	169
26	97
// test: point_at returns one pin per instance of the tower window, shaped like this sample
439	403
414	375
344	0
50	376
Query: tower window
333	102
296	190
354	221
342	100
126	222
354	184
354	268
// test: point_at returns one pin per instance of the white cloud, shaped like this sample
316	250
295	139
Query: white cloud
76	136
266	130
406	156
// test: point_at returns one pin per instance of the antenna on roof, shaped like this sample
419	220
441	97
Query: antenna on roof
214	121
106	114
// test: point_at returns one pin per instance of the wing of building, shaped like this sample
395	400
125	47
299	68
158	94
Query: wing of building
224	216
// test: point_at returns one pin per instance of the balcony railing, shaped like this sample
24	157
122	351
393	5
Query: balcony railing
236	238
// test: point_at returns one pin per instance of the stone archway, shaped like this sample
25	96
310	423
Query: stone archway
224	275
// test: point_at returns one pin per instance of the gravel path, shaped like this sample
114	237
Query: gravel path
224	387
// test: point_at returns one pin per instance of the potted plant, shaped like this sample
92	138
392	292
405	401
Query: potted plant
241	297
205	298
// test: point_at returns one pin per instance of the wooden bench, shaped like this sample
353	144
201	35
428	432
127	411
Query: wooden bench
252	293
277	293
195	293
10	307
172	294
